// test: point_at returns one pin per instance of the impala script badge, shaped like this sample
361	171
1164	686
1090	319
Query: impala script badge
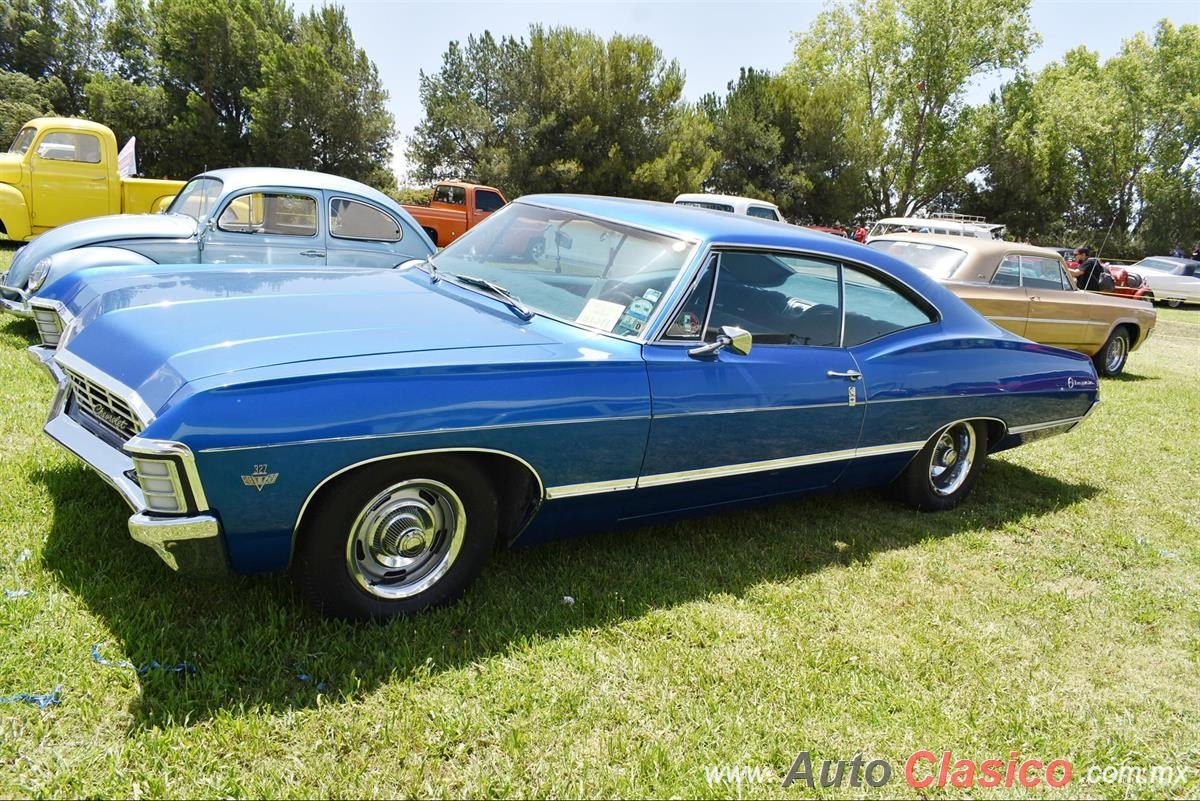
259	478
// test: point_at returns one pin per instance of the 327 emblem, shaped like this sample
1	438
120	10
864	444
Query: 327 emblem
259	478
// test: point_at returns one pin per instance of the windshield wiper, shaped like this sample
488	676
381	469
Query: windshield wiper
511	301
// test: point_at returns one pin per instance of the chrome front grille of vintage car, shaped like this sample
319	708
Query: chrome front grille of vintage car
104	405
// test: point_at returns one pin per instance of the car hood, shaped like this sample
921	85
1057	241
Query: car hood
94	231
173	328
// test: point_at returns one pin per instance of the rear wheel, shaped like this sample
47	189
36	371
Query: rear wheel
1110	360
397	538
1173	303
945	470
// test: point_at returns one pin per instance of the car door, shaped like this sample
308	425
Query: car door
69	179
361	234
267	226
784	417
1058	314
1001	298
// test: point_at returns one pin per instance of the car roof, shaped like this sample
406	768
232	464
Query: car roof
237	178
687	222
67	122
1172	259
973	245
704	197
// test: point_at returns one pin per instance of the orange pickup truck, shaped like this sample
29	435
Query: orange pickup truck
455	208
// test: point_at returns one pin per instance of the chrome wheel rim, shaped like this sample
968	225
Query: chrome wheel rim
953	455
1114	357
406	538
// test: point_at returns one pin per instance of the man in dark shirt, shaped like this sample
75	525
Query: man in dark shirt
1089	271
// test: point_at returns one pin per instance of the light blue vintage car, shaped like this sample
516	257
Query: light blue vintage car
246	215
381	432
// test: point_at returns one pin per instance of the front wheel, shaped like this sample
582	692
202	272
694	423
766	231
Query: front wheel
945	470
1173	303
1110	360
397	538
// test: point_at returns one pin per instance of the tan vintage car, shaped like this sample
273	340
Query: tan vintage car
1027	290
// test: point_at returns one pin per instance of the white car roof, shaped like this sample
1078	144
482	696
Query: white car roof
740	204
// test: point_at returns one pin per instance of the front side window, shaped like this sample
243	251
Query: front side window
351	219
938	261
874	308
197	198
487	201
762	212
599	274
1038	272
64	146
445	193
22	141
270	213
1008	273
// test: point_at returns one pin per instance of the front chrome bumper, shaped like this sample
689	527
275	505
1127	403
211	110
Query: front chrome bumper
191	545
19	306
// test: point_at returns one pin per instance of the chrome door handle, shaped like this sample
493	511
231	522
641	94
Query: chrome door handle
852	375
313	253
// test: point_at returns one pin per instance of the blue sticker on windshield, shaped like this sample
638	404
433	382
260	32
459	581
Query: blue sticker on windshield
652	295
640	309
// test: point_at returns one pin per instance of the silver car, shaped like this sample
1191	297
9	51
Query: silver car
246	215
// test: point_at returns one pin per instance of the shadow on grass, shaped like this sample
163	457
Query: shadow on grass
1129	378
250	637
19	327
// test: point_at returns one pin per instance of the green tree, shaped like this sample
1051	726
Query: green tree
211	54
782	141
21	99
321	104
565	111
904	66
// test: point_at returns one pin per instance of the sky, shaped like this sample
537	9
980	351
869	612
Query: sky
711	40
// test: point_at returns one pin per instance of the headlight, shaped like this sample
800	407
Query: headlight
38	276
159	481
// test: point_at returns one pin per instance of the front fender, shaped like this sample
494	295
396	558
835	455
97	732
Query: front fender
14	213
71	261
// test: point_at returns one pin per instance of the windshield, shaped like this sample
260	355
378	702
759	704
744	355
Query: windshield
1155	264
23	140
197	197
937	260
595	273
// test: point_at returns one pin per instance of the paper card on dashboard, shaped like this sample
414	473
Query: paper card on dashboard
600	314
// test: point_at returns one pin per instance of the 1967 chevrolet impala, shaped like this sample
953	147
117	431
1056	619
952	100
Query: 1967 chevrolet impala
380	432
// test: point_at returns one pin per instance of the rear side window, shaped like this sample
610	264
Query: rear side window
350	219
450	194
874	308
1038	272
487	201
763	212
64	146
270	213
1008	273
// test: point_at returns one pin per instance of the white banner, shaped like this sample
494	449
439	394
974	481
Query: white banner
127	159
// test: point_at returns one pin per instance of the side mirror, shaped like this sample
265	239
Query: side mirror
206	225
738	340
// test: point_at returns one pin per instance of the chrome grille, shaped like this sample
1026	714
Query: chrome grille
103	405
49	325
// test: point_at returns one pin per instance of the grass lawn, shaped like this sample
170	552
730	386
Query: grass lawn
1056	613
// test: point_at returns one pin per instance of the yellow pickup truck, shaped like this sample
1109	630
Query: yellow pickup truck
59	170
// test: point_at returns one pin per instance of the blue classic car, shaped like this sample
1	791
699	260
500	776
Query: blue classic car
380	432
246	215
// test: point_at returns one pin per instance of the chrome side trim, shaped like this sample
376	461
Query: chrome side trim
725	471
428	431
162	448
541	494
1066	421
755	409
590	488
72	362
